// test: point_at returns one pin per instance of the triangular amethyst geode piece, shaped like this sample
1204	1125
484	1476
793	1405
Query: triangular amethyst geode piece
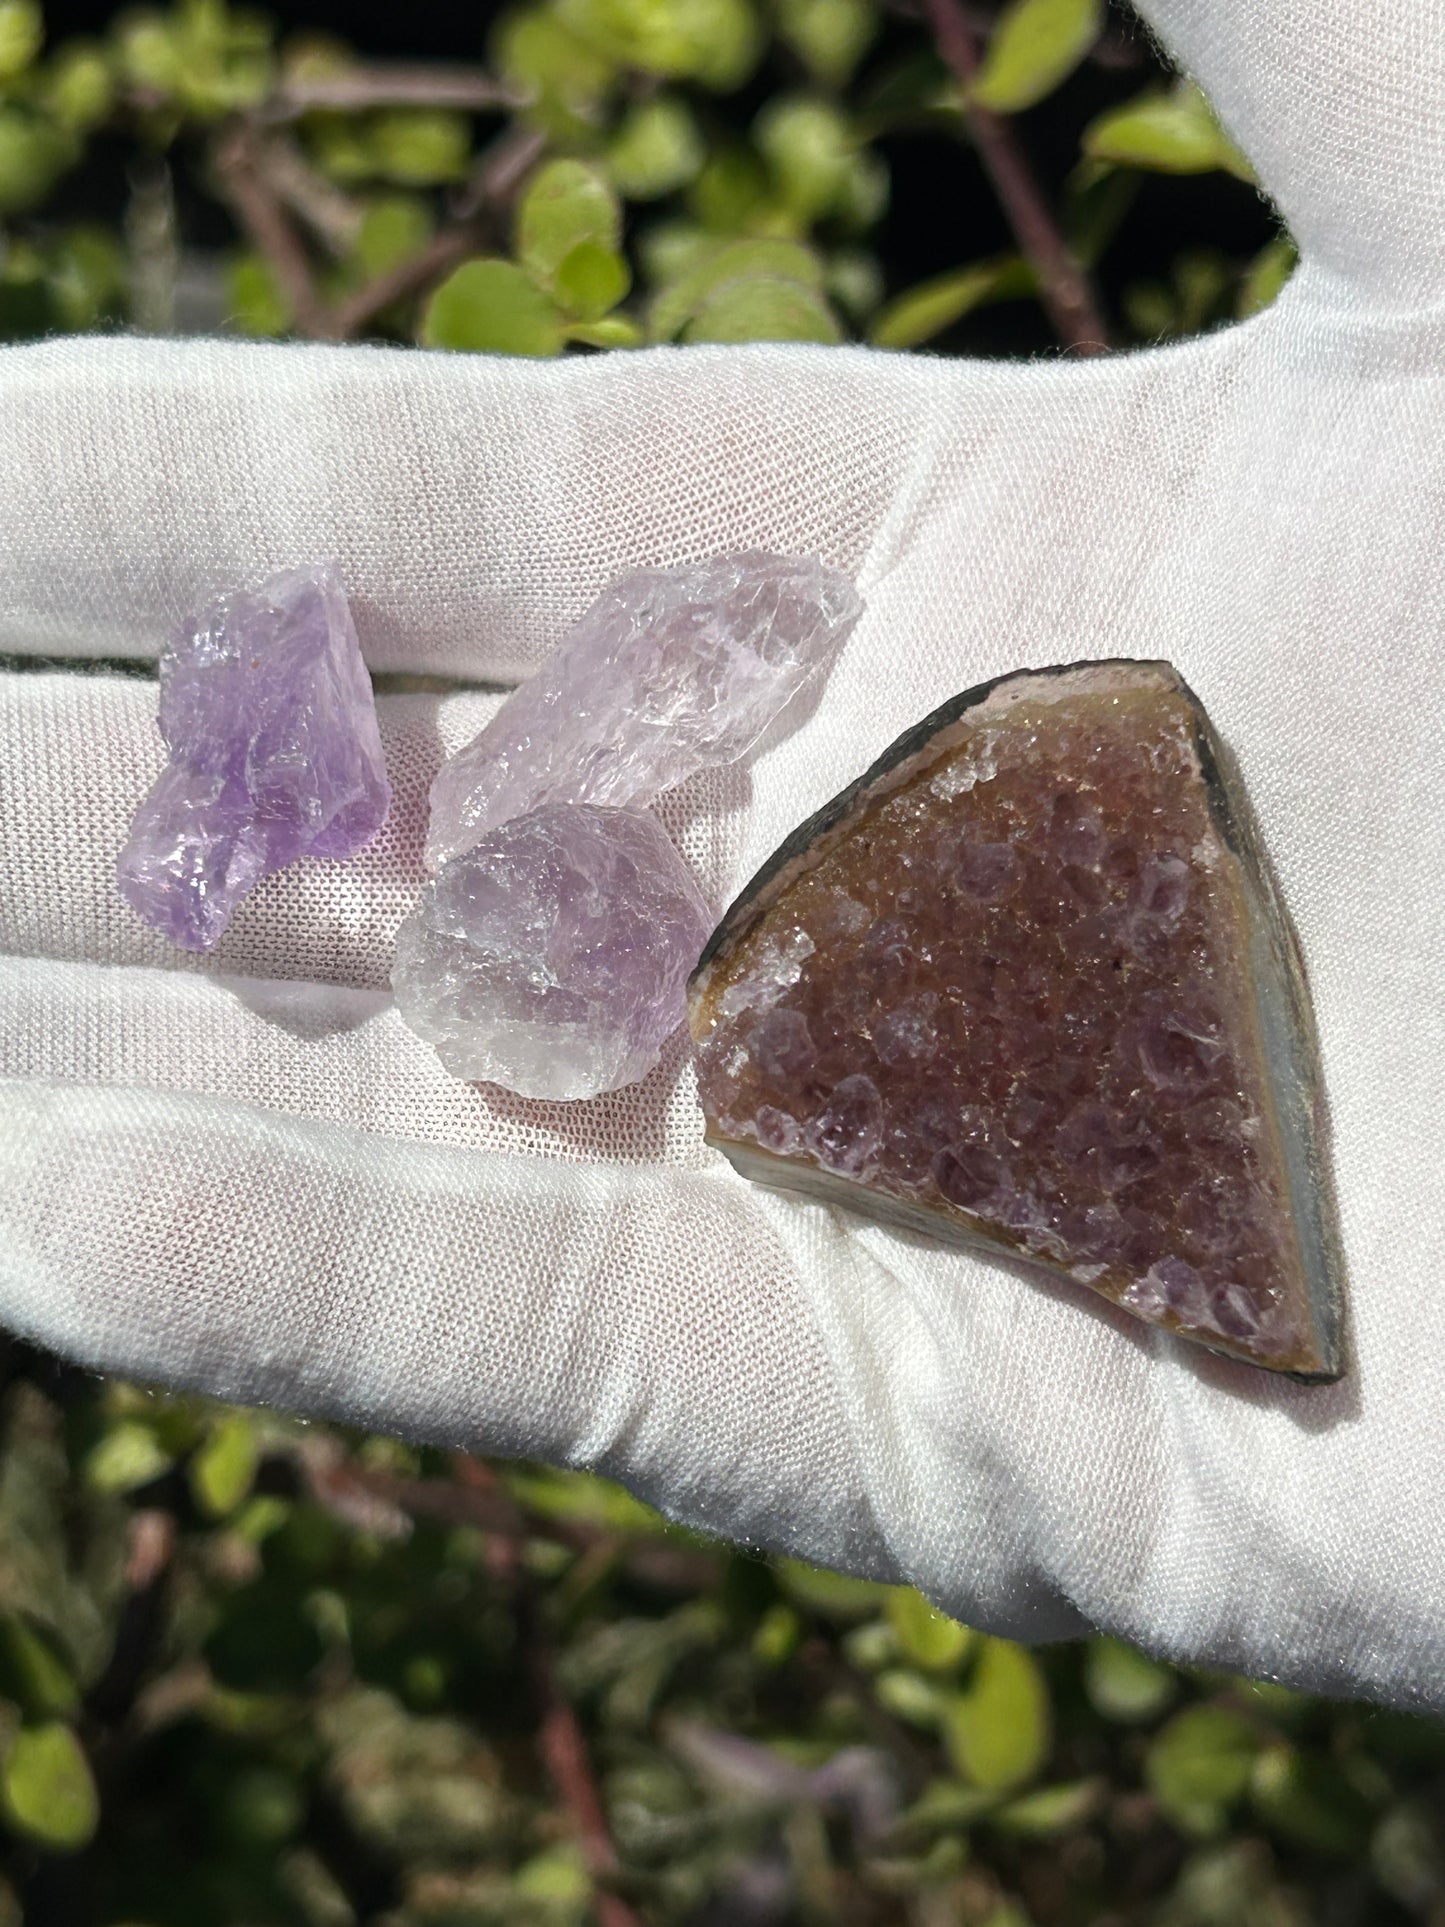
1027	987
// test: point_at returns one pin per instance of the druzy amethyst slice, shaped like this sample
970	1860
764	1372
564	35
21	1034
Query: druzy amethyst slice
1026	987
267	711
669	671
552	956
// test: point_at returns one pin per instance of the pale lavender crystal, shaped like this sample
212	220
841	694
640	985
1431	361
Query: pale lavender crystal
267	711
668	671
552	956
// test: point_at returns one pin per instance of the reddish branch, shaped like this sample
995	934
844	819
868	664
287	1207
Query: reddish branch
1064	288
405	84
268	180
564	1753
259	210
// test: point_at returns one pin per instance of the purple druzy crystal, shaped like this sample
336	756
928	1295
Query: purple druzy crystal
267	711
552	956
668	671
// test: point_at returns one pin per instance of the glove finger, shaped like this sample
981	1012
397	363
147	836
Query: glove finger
1340	105
509	1303
477	504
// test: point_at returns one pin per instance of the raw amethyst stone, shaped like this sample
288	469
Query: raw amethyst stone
668	671
267	711
552	956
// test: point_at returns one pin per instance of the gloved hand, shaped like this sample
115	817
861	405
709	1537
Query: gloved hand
243	1173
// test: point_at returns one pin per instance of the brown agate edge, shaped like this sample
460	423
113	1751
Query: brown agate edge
1227	1107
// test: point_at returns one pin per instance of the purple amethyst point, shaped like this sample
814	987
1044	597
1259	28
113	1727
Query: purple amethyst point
267	710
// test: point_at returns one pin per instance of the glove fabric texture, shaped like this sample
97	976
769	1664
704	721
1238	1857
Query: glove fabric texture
243	1173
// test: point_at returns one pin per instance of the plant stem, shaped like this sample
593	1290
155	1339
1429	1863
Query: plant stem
398	84
260	212
563	1747
1064	288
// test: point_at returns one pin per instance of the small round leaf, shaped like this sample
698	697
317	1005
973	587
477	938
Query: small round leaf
566	204
223	1469
759	308
1124	1684
809	147
22	29
492	307
657	149
393	228
48	1792
1199	1766
591	281
420	146
998	1728
926	1636
830	37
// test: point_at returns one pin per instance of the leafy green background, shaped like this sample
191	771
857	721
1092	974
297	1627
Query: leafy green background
254	1671
258	1672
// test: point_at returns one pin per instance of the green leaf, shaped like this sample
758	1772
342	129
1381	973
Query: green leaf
732	195
86	272
683	298
657	149
830	37
998	1728
1407	1855
1199	1765
613	331
1124	1684
832	1595
34	152
32	1673
420	146
566	79
809	147
77	86
128	1455
258	306
855	282
758	308
591	281
716	42
493	307
223	1470
1173	133
149	52
945	1806
909	1696
1308	1801
925	1635
777	1637
47	1789
1052	1809
262	1807
1266	275
393	229
920	313
22	30
566	205
1034	45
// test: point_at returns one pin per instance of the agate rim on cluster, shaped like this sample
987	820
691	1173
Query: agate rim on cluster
1278	1004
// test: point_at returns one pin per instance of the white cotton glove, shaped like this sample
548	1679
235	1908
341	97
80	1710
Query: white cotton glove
243	1173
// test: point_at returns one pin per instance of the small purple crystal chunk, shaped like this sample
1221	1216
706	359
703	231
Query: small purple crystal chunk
267	711
551	957
669	670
